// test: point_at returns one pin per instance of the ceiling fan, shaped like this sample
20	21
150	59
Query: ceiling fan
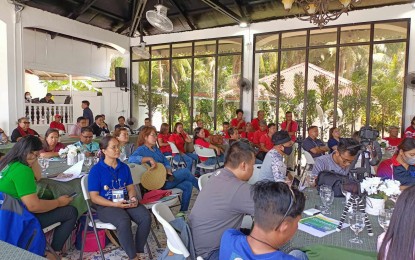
140	50
158	18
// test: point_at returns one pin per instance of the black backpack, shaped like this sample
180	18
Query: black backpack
333	180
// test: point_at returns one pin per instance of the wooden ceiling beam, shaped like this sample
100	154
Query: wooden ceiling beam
184	14
138	13
224	10
81	9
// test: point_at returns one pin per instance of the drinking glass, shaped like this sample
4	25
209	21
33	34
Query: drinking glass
311	181
357	224
384	218
123	156
88	162
327	197
44	164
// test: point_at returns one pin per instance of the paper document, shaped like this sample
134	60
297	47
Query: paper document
319	225
72	173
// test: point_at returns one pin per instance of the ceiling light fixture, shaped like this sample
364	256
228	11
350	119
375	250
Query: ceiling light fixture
243	24
317	11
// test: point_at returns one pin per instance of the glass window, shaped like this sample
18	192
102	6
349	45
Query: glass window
391	31
230	45
181	82
204	91
355	33
294	39
323	37
266	41
140	91
160	72
205	47
160	51
182	49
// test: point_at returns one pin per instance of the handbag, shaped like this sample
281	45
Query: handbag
216	139
155	195
333	180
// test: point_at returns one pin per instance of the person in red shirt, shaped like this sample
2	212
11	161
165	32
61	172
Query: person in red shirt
255	121
249	134
410	131
163	138
225	128
265	142
199	139
393	138
179	138
57	123
290	125
234	135
239	121
51	144
199	123
262	130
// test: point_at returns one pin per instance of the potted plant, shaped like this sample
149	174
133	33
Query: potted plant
71	152
378	191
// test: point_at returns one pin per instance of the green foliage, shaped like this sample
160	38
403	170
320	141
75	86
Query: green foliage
115	62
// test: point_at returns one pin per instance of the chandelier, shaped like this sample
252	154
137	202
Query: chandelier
317	11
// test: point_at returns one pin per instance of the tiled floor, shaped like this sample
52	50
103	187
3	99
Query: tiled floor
111	252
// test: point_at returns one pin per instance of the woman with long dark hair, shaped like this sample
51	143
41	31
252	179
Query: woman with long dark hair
404	162
109	184
399	241
147	152
179	138
17	179
334	139
51	145
163	138
199	139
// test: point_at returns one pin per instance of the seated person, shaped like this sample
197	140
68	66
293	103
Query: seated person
57	123
90	147
147	152
111	172
199	139
225	128
265	143
223	201
263	129
274	225
3	137
410	130
122	135
239	121
273	167
121	123
312	144
51	144
76	129
404	162
104	123
163	138
179	138
393	138
199	123
23	129
398	242
249	134
98	127
47	99
334	139
340	160
147	122
234	135
19	170
385	169
255	121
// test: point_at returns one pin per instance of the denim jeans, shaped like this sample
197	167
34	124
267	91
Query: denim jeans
300	255
185	181
188	159
213	161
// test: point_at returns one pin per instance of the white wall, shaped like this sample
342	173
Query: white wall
374	14
116	102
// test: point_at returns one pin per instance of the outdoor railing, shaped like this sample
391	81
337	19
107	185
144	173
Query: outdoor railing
43	114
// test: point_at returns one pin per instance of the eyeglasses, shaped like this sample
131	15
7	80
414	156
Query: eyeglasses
88	136
26	123
153	135
345	161
292	201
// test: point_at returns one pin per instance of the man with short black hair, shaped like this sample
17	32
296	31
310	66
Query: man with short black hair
147	122
76	129
47	99
239	121
223	201
87	113
98	127
200	124
340	160
278	210
312	144
121	123
90	147
255	121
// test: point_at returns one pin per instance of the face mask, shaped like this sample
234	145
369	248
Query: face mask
28	96
288	150
409	160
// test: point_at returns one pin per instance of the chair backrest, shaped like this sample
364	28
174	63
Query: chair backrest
84	186
137	172
309	159
203	180
174	242
173	147
204	152
256	174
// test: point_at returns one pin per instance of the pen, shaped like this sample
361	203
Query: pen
316	213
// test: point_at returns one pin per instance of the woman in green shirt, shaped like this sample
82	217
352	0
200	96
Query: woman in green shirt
17	179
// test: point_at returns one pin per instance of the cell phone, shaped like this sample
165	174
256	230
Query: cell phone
128	202
73	194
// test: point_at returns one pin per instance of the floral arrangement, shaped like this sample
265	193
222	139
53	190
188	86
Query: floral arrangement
384	143
378	189
69	150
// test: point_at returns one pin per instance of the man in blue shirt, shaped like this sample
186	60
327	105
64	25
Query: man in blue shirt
87	113
86	142
278	209
312	144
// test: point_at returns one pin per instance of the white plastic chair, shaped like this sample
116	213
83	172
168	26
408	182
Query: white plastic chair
174	242
256	175
201	182
209	153
175	150
46	230
309	162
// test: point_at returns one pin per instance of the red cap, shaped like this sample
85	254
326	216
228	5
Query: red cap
57	115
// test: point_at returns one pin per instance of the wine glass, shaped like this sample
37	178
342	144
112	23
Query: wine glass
88	162
311	181
327	197
384	218
44	164
357	224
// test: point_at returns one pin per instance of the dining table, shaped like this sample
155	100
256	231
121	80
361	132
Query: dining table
340	239
11	252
